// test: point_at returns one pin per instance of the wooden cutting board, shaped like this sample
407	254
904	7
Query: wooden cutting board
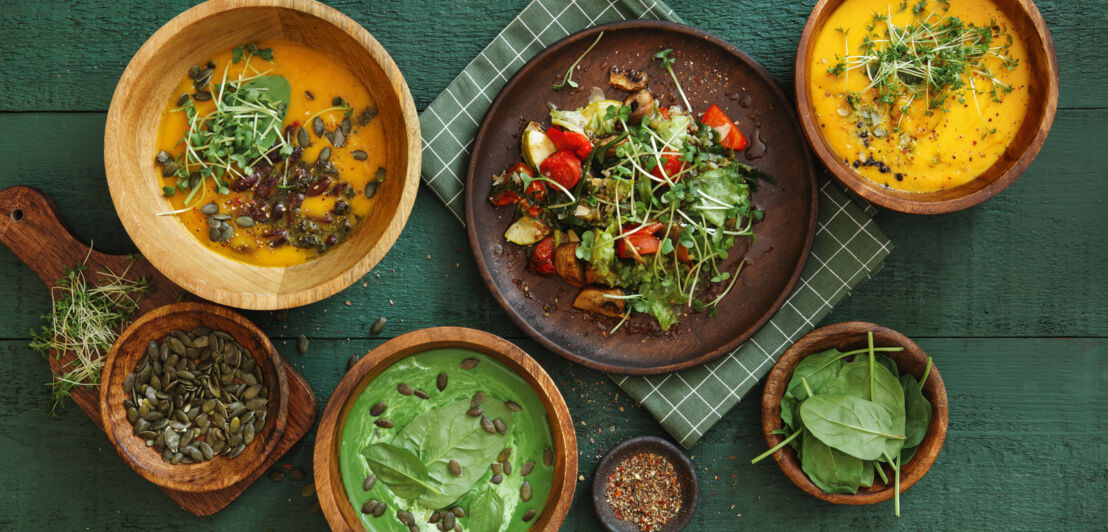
31	228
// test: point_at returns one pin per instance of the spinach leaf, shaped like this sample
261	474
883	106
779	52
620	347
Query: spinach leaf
867	473
918	410
889	364
831	470
277	91
447	433
881	388
817	369
397	468
846	383
486	512
908	452
788	411
854	426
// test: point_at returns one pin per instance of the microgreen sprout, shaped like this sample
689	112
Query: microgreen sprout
568	79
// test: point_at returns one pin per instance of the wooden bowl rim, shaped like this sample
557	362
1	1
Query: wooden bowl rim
216	474
482	138
824	338
870	191
340	279
336	506
683	465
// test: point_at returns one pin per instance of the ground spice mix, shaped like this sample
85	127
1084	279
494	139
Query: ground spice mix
644	490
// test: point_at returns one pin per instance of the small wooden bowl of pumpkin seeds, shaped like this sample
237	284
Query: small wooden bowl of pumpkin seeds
194	397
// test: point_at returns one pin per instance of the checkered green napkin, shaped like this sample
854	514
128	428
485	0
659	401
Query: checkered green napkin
848	247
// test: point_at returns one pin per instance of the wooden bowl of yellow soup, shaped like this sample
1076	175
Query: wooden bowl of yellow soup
262	154
919	146
405	411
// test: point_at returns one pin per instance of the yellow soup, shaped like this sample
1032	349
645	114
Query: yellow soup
899	131
294	204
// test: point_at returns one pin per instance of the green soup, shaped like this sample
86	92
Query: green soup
411	460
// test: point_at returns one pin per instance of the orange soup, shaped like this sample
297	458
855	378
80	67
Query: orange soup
271	154
919	96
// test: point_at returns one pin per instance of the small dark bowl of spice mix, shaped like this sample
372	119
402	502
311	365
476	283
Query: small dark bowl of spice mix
645	484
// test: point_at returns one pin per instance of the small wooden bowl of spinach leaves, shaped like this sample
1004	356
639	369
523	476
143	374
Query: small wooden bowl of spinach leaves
839	417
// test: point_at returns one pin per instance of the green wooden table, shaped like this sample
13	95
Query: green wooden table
1009	296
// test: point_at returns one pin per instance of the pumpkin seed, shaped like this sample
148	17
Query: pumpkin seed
324	155
225	232
303	138
435	517
368	114
475	411
380	509
346	125
210	208
458	511
507	467
440	381
359	155
469	363
487	424
383	423
337	100
497	479
454	467
169	169
202	96
513	406
404	388
421	394
338	138
497	468
405	517
302	345
527	467
194	71
548	457
447	522
504	455
317	126
381	173
244	221
369	506
162	158
378	409
529	515
478	398
369	481
378	325
525	491
182	99
500	426
308	490
370	189
351	361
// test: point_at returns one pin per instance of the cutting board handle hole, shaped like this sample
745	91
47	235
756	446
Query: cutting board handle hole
16	215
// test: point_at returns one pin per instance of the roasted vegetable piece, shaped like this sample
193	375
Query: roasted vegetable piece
641	242
729	135
542	258
564	167
627	80
569	267
641	104
503	198
526	231
535	145
594	299
570	140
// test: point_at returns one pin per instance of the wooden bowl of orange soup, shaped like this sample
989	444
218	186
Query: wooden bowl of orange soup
262	154
916	146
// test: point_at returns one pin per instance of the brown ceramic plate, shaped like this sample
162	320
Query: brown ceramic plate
711	71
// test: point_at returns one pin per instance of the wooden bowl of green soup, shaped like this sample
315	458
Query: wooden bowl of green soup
838	421
446	427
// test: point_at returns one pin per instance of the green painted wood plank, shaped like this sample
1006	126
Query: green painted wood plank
46	68
1025	451
1026	263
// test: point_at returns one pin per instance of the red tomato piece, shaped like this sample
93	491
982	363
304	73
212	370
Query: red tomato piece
564	167
570	140
521	168
542	258
504	197
536	190
671	163
643	241
729	135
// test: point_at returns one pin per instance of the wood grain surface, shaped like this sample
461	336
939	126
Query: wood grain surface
1007	296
